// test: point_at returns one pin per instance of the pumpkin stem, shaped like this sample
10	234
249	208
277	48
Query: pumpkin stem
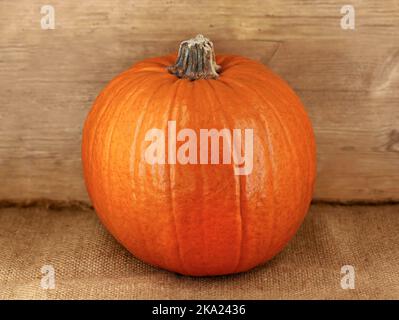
196	60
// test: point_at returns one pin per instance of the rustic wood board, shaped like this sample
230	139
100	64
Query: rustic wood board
348	80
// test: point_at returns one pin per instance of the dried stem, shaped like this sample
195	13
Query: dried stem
196	60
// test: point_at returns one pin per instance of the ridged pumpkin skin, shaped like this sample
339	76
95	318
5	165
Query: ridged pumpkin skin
199	219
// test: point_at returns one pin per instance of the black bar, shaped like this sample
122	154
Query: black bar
202	309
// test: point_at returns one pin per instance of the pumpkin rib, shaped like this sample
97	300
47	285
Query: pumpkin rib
171	209
208	105
203	228
98	121
307	193
115	112
264	78
237	179
272	109
309	150
306	131
133	163
107	108
306	126
287	137
171	191
240	254
228	82
268	156
272	172
96	114
242	179
125	103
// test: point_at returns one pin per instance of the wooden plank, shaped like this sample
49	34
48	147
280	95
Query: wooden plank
177	19
348	80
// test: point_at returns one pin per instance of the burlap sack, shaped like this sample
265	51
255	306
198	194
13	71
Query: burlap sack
88	262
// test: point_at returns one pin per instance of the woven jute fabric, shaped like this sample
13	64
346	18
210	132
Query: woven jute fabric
90	264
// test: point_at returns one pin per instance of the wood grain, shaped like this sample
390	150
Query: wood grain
348	80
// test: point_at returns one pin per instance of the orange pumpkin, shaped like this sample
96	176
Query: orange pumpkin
199	218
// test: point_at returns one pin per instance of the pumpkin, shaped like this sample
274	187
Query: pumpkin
196	217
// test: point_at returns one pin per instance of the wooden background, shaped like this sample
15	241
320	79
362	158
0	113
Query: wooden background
348	80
